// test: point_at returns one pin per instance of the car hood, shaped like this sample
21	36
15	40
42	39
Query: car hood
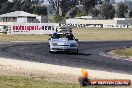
61	41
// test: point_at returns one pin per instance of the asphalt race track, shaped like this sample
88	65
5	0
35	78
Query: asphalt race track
88	56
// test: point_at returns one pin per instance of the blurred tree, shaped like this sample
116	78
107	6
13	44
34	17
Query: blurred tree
66	5
95	12
40	10
26	6
122	10
3	1
57	16
129	3
17	6
107	11
35	1
89	4
130	13
74	12
106	0
6	7
80	13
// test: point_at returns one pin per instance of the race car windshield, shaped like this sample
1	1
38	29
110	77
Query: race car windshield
69	36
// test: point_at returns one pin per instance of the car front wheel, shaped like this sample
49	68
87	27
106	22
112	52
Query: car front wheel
76	52
50	50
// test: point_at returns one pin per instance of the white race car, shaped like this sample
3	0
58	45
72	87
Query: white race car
63	42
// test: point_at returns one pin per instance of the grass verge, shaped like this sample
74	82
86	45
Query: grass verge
4	37
123	52
100	34
84	34
22	82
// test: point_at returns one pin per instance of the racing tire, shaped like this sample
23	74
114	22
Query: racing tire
50	50
76	53
84	81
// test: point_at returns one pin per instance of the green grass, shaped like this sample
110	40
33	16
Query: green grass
123	52
22	82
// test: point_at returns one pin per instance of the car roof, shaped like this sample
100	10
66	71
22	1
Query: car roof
64	29
61	33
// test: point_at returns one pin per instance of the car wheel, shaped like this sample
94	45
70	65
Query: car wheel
50	50
76	52
84	81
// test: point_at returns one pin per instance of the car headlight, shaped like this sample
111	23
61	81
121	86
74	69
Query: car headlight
54	44
73	45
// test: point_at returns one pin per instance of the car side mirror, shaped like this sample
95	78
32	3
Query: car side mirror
76	39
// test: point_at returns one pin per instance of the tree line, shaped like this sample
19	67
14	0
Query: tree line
102	9
22	5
